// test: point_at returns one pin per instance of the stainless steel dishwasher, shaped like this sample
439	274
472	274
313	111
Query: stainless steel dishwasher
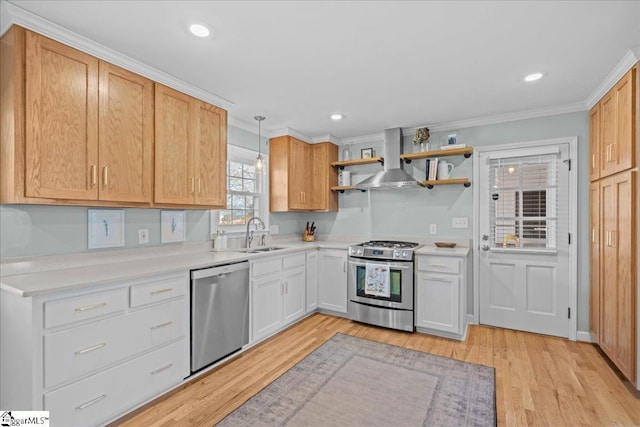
219	312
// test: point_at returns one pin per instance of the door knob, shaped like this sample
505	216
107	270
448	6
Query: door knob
485	247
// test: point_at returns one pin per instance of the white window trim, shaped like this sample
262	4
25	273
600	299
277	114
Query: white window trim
244	155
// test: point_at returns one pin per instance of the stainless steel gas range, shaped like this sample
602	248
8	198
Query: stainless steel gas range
380	281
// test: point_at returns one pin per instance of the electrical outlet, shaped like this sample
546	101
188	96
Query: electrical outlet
433	228
143	235
460	222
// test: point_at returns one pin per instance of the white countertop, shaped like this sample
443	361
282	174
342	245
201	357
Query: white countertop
37	276
45	275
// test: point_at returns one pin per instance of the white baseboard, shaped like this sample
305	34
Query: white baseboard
584	336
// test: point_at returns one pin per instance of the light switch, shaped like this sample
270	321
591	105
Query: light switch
143	235
433	228
460	222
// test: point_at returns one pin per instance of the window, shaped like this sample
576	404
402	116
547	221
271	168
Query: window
245	194
523	202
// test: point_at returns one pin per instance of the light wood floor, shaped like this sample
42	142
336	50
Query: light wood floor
540	380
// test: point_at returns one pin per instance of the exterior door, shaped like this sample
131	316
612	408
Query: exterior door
524	259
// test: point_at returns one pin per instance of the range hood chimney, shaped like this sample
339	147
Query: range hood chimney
393	176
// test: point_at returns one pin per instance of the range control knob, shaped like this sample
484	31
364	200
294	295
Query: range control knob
396	254
359	251
404	254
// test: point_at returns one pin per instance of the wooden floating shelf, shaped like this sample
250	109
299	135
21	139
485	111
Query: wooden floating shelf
343	188
342	163
431	184
464	151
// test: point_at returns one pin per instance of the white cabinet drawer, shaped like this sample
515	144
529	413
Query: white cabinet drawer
266	266
75	309
439	264
108	394
293	261
159	290
77	351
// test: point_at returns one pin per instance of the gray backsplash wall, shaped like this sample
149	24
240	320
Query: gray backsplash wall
47	230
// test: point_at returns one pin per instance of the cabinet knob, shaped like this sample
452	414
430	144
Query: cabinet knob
485	247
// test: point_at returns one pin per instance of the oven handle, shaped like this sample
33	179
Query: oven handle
390	264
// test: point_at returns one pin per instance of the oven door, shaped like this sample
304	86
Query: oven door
400	284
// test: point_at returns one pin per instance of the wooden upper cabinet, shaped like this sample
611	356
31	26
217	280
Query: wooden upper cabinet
174	156
594	272
190	150
125	135
301	176
211	155
323	177
594	142
61	136
618	138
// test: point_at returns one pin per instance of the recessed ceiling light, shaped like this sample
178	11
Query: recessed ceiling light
337	117
199	30
533	77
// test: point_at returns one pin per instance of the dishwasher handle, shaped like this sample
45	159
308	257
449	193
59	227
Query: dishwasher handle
219	270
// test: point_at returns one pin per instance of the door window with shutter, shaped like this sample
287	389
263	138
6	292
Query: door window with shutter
523	200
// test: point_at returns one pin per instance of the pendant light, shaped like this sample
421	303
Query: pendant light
258	164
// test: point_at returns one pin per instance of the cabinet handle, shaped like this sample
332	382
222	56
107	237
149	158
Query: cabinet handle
162	325
344	267
439	265
593	235
93	347
94	175
164	368
161	291
593	161
286	287
91	402
91	307
105	177
437	279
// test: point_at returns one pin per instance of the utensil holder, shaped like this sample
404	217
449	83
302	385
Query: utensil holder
307	237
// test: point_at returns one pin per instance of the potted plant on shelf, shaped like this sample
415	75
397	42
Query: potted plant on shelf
422	138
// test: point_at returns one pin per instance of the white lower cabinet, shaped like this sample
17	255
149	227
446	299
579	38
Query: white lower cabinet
278	293
312	281
100	397
94	354
440	307
332	280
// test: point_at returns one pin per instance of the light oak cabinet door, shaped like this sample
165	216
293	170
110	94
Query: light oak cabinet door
323	177
125	135
210	155
174	156
594	142
299	175
618	128
618	266
594	268
190	150
61	150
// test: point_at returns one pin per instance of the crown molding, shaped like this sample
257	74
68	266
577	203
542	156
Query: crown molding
326	138
625	64
290	132
373	138
500	118
244	125
12	14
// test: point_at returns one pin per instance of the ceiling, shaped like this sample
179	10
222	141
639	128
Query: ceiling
381	64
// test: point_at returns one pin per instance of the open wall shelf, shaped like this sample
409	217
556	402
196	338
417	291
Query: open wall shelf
431	184
464	151
343	188
355	162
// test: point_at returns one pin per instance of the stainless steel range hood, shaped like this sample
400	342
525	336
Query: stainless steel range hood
393	176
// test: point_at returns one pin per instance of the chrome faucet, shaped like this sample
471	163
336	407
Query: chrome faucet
249	237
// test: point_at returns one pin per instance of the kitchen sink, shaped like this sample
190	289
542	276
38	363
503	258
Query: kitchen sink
260	250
